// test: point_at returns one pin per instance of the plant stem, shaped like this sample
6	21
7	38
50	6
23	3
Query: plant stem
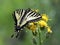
39	36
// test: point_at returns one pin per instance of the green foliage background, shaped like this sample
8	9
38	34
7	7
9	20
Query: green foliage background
50	7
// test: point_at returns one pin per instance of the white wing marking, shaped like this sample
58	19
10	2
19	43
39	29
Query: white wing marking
32	18
17	15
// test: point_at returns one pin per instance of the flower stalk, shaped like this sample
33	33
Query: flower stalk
39	36
43	28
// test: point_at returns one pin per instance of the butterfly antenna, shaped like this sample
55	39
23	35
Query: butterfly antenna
12	35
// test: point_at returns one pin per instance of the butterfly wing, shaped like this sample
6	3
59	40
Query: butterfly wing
33	18
22	17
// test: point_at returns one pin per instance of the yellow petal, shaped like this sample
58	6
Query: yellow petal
42	23
49	30
37	10
31	23
45	17
32	27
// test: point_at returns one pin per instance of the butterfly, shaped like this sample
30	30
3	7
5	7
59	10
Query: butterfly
24	16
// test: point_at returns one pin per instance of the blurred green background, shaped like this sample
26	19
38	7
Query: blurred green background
50	7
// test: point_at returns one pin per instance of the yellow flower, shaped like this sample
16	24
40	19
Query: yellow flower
49	30
36	10
32	27
45	17
42	23
31	23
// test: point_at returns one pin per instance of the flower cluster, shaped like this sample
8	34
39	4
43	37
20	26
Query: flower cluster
40	29
42	23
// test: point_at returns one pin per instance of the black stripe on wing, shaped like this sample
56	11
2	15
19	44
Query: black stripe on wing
18	11
24	15
14	17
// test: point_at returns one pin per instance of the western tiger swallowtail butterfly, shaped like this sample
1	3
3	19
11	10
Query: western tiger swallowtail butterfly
24	16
